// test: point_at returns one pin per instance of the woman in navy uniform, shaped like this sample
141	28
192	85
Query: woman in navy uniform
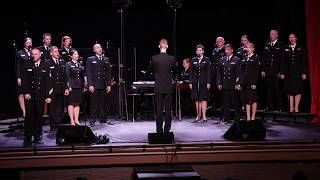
296	72
200	79
23	56
66	42
75	83
241	51
185	91
249	78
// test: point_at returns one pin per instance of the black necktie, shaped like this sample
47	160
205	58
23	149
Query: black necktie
37	65
100	58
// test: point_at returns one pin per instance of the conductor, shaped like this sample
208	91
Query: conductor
164	67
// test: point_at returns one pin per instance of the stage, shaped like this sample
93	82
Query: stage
136	133
290	145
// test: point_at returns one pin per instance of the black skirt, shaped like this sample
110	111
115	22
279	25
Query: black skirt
248	94
19	90
75	97
203	92
294	85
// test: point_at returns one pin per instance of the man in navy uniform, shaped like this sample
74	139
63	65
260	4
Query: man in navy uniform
228	81
56	70
272	64
217	53
45	48
98	71
35	82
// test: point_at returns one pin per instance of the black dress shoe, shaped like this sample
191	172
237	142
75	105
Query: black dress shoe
225	120
92	123
103	121
36	139
110	123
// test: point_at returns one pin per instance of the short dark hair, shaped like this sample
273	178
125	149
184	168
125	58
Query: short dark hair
46	34
245	36
229	46
187	60
294	33
26	39
72	51
200	46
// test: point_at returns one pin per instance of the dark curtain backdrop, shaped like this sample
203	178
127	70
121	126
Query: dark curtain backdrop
146	22
313	39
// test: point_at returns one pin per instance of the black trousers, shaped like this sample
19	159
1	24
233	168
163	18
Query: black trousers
273	93
56	108
215	96
33	120
163	102
230	97
97	104
186	102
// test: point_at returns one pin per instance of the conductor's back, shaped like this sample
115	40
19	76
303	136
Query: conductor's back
164	67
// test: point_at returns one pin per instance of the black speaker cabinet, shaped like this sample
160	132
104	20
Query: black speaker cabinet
69	134
246	130
161	138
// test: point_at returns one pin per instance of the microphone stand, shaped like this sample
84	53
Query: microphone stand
83	97
198	91
178	99
18	123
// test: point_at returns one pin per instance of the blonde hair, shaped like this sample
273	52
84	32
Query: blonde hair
64	38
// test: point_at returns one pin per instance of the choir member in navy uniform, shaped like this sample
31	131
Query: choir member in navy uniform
296	72
241	51
75	86
249	79
185	91
45	48
217	53
164	68
272	64
56	70
23	56
66	43
200	80
186	70
98	73
35	82
228	81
